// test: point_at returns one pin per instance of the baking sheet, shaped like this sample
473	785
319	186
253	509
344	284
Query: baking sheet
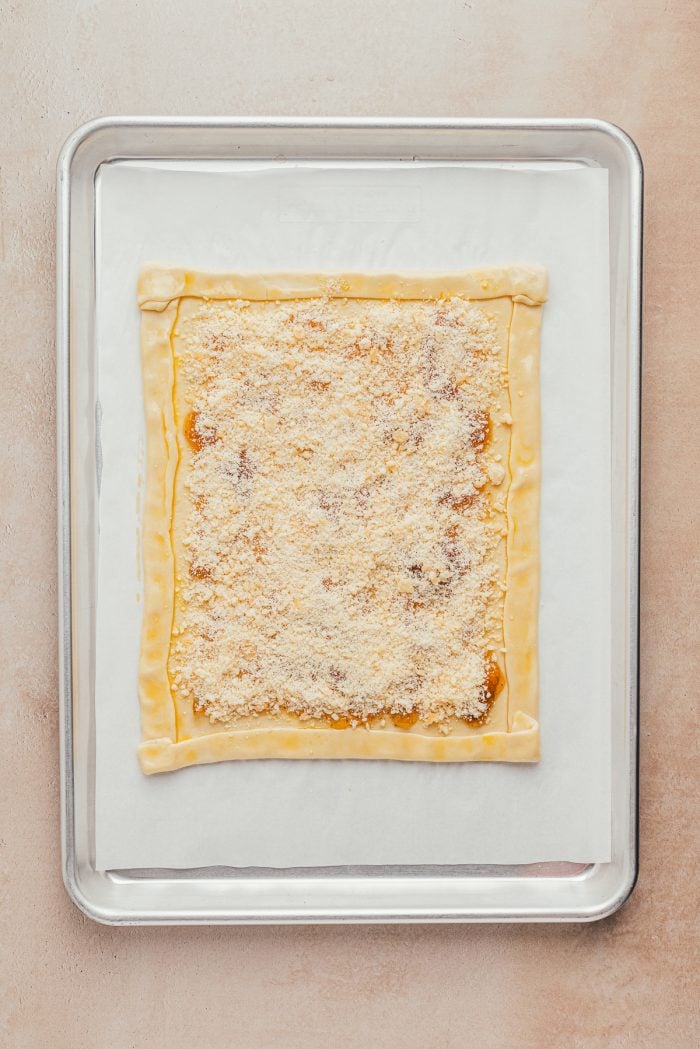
373	217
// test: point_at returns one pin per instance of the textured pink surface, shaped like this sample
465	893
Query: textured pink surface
629	981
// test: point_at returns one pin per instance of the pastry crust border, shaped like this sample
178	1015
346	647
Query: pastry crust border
159	293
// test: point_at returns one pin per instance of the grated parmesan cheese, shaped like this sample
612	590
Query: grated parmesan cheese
334	530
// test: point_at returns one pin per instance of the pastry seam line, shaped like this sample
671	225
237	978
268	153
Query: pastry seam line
173	495
508	515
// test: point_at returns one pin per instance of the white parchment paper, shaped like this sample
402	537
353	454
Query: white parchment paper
313	217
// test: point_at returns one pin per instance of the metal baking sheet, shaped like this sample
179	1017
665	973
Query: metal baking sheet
553	891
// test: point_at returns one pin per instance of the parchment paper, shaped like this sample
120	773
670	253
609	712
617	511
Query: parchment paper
313	217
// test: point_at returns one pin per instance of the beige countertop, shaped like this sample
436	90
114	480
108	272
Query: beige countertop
628	981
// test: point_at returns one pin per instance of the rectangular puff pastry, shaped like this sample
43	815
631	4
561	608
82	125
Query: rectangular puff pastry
340	535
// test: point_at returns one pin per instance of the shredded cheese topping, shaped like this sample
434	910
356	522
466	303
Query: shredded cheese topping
338	521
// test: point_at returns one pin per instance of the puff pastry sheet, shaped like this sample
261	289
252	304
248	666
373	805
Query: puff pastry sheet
172	737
